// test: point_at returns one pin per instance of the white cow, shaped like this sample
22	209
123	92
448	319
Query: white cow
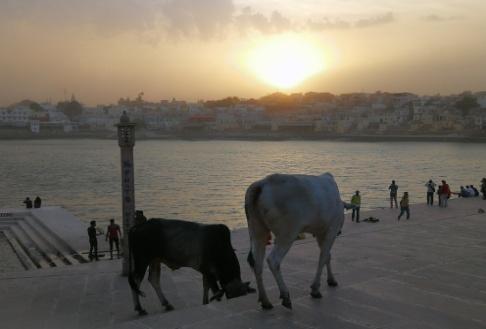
288	205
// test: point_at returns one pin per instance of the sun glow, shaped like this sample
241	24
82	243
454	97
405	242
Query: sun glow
285	62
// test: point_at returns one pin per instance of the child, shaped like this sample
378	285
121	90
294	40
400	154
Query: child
404	206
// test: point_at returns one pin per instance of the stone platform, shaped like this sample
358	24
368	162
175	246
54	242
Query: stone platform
46	237
427	272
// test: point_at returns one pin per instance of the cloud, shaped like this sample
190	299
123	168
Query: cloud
179	17
377	20
205	19
154	19
340	24
437	18
328	24
249	20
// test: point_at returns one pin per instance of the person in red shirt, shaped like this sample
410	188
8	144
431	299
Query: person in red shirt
445	194
113	233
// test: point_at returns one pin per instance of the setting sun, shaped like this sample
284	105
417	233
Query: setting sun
286	61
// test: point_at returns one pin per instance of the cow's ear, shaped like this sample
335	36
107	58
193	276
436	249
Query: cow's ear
248	288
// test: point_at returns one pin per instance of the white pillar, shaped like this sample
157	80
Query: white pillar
126	141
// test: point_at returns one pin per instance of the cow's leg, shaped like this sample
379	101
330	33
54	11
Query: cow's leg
274	260
136	278
154	279
136	300
211	283
258	250
205	289
325	241
331	281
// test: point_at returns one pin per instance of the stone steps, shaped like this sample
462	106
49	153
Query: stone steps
58	246
35	244
23	257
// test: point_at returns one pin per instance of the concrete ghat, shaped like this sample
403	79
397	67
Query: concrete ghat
427	272
46	237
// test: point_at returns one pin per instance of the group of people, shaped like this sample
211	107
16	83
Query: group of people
443	192
393	188
471	191
28	202
113	235
404	201
468	191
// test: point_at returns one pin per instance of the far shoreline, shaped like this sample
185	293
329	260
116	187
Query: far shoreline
251	136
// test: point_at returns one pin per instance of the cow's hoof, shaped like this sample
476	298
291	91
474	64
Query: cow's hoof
287	303
267	305
316	294
142	312
169	307
332	283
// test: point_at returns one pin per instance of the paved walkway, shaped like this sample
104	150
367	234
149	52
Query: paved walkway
428	272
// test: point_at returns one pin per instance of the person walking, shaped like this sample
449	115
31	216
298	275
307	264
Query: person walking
393	194
445	194
430	192
356	202
113	235
28	203
404	206
483	187
93	241
37	202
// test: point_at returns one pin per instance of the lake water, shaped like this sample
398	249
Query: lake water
206	180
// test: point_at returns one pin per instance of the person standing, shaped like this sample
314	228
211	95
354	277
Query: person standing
356	202
404	206
37	202
393	194
430	192
439	191
113	235
445	194
28	203
139	217
483	187
93	241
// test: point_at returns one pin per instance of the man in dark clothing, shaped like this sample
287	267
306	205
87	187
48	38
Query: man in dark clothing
113	234
37	202
139	217
476	192
28	203
430	192
393	194
93	241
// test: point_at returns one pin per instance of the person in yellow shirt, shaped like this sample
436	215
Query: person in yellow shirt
356	202
404	206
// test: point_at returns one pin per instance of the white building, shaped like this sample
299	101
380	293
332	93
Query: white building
17	117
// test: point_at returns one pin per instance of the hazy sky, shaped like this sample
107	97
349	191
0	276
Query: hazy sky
101	50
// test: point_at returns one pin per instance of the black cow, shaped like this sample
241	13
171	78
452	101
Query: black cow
177	243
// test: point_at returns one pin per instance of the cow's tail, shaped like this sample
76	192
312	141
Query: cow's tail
131	266
348	206
252	194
